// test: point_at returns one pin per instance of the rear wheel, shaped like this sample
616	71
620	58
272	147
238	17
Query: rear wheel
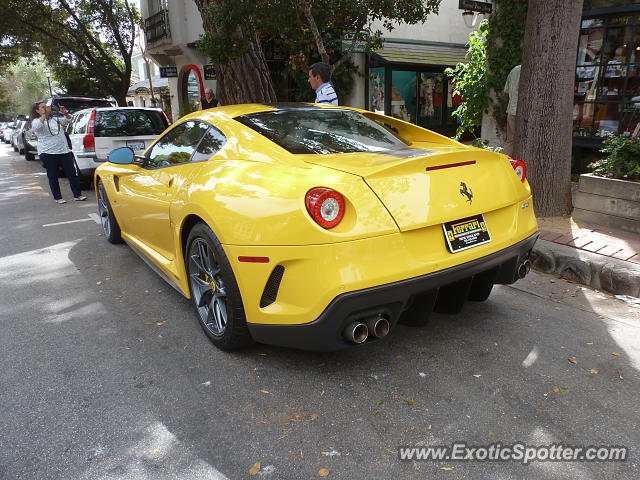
214	291
108	221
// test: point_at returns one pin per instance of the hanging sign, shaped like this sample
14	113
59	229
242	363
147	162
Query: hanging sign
166	72
475	6
209	72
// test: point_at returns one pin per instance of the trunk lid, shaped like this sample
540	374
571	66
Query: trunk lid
433	183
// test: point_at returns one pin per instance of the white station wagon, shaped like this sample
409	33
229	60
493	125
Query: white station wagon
95	132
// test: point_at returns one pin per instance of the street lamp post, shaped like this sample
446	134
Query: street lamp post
47	73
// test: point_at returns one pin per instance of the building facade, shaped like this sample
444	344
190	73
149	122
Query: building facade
171	30
404	79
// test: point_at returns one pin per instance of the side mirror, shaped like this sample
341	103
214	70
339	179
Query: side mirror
121	156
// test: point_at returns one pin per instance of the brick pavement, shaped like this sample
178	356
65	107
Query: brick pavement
591	238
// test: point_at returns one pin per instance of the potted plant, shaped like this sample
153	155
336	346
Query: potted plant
610	195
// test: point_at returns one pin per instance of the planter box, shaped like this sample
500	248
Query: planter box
609	202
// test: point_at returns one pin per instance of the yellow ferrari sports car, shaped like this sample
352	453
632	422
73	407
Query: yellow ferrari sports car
317	227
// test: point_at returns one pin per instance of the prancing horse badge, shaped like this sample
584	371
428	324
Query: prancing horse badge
466	191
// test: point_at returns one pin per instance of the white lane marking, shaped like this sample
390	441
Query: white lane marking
92	217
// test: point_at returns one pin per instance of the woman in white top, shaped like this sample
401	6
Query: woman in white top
54	150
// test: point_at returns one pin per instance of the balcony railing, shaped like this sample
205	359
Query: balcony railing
157	26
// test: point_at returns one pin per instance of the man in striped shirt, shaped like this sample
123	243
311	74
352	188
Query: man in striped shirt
319	77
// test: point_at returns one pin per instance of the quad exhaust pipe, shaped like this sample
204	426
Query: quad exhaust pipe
358	332
524	269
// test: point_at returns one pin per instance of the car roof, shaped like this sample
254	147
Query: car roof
231	111
79	98
107	109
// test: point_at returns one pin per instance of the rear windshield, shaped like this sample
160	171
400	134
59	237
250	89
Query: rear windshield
128	123
73	105
322	131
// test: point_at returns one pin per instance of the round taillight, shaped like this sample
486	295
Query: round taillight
325	206
520	168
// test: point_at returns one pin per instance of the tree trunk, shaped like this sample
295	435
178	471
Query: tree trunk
545	102
245	79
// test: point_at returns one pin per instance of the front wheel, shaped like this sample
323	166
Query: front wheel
30	157
108	221
214	291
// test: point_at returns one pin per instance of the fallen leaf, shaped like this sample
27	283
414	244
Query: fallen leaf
379	402
322	393
254	469
447	469
615	354
557	389
323	472
155	450
429	427
552	281
375	411
98	283
621	377
572	360
594	371
161	323
410	402
477	375
266	392
589	343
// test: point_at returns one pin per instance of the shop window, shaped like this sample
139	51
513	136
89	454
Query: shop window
607	82
376	89
430	99
403	95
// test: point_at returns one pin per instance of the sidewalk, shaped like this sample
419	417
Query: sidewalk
592	255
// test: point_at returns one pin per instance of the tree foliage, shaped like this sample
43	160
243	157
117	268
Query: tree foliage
470	81
307	30
22	85
97	34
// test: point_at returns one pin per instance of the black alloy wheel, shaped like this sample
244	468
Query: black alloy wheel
108	221
214	291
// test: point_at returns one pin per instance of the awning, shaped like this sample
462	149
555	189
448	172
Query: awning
142	86
422	53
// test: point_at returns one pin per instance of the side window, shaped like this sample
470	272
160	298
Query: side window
211	143
177	145
79	123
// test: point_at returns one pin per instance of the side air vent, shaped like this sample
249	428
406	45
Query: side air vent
271	288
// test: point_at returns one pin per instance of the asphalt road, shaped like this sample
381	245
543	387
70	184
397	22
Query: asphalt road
105	373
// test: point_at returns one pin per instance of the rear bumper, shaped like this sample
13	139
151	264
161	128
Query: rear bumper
392	300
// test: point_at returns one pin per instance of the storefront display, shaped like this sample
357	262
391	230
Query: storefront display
422	97
607	87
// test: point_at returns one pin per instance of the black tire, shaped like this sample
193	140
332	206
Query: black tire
108	221
30	157
214	292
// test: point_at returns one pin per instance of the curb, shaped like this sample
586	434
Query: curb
596	271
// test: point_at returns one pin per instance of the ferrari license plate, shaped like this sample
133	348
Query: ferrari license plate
466	233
